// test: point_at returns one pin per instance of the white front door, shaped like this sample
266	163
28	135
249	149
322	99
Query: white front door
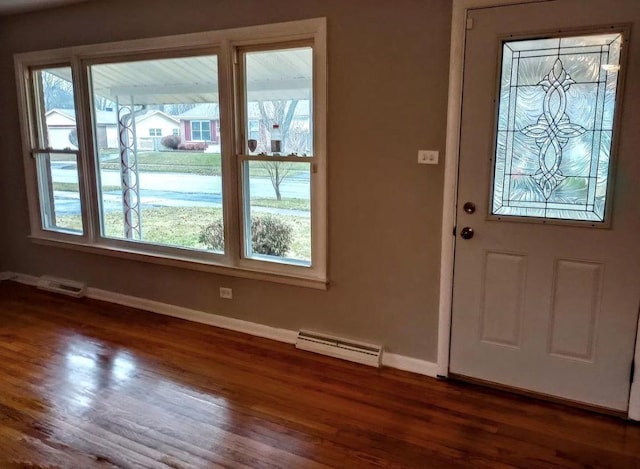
547	283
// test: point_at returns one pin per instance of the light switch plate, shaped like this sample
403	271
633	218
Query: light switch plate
428	156
226	293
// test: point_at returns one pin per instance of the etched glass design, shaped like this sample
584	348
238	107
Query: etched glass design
555	127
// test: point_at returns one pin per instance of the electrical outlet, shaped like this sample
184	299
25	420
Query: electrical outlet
428	156
226	293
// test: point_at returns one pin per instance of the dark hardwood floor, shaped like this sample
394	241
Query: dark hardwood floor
89	384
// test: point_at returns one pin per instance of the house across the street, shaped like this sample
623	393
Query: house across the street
150	128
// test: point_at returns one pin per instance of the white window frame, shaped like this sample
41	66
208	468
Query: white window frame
200	123
155	132
225	44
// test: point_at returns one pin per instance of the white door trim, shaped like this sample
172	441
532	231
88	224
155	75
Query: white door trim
452	155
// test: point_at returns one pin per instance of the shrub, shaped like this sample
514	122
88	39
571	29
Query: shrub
270	235
212	236
171	141
197	146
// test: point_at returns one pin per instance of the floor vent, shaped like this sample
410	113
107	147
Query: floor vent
58	285
339	348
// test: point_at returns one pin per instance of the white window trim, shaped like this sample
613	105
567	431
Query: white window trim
224	42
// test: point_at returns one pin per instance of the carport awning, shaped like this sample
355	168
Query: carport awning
195	79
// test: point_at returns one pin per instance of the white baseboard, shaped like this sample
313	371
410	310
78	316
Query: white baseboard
9	276
413	365
281	335
288	336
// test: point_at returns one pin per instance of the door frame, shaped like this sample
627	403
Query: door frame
452	157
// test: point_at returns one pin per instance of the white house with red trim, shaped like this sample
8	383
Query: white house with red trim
201	124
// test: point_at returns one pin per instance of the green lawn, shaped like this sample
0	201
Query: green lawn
73	187
62	157
181	226
205	164
184	162
285	203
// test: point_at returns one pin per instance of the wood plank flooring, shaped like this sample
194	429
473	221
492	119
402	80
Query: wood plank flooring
88	384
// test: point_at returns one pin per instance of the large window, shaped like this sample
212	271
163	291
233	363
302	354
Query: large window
247	200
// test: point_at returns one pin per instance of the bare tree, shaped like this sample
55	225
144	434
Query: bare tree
279	112
102	104
57	92
179	108
277	171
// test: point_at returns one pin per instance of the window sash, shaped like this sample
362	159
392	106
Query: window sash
42	203
246	131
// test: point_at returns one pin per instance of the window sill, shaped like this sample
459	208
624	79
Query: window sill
177	261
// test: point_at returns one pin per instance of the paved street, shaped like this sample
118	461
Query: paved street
175	190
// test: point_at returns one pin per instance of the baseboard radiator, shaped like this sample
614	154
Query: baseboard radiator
336	347
63	286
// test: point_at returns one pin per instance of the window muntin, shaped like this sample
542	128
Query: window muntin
201	131
155	132
555	127
93	141
164	195
55	129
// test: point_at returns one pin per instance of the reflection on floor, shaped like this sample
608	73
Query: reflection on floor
89	384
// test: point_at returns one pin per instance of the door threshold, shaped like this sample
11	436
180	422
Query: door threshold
539	396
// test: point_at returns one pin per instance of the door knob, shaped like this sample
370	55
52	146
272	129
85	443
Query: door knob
469	207
466	233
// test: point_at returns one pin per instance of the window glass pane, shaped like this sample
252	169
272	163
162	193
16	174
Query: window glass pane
555	125
59	192
163	190
278	211
201	130
279	101
55	108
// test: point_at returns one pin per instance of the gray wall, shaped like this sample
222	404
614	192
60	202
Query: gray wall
388	72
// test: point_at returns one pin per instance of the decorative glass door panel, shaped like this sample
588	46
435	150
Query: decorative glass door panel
555	127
